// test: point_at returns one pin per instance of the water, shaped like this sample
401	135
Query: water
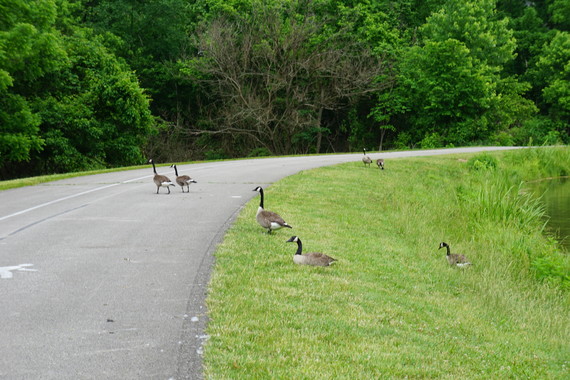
557	200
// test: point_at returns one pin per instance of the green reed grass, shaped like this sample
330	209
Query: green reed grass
391	307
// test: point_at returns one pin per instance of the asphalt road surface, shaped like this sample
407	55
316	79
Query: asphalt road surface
101	278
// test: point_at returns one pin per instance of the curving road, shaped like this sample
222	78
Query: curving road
101	278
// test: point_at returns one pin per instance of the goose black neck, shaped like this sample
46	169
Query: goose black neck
448	250
153	167
299	247
175	170
261	200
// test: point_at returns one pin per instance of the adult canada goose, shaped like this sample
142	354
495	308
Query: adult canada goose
160	180
268	219
182	180
380	163
366	159
312	258
455	259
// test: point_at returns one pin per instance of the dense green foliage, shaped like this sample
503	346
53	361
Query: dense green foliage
68	102
98	83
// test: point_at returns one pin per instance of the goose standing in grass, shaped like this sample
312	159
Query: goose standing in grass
455	259
380	163
182	180
312	258
160	180
367	160
268	219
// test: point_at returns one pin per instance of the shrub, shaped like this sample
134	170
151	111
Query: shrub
482	161
259	152
430	141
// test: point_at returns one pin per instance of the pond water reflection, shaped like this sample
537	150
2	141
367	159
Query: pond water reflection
557	201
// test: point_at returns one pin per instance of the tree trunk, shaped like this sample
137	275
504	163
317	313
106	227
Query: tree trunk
382	133
319	133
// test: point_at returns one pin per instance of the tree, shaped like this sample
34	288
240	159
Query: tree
446	92
154	35
275	70
455	85
560	14
30	48
553	68
66	102
94	113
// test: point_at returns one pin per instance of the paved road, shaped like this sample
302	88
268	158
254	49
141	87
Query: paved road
101	278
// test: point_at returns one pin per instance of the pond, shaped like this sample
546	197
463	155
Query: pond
557	201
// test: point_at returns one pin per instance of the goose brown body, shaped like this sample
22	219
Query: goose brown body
367	160
183	180
455	259
268	219
160	180
380	163
311	258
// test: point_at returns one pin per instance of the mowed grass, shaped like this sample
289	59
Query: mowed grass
391	307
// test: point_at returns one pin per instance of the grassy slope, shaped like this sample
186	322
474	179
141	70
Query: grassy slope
391	307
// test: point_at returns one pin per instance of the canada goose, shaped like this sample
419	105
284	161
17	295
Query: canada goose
312	258
455	259
160	180
182	180
366	159
268	219
380	163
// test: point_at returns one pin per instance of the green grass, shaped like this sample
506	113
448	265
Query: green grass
392	307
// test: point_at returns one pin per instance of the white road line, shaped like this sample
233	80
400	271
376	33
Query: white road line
69	197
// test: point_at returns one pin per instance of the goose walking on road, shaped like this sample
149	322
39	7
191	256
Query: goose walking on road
182	180
160	180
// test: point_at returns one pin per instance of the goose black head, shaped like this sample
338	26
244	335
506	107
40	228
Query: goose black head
292	239
442	245
258	188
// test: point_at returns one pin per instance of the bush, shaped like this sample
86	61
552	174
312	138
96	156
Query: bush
259	152
482	162
430	141
502	139
215	154
540	131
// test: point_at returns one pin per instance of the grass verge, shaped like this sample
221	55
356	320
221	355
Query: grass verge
392	307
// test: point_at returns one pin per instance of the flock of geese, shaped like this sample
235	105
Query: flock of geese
272	221
163	181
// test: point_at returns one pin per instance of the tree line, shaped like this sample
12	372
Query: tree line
88	84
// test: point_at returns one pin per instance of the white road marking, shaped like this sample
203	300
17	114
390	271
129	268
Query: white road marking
69	197
6	272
